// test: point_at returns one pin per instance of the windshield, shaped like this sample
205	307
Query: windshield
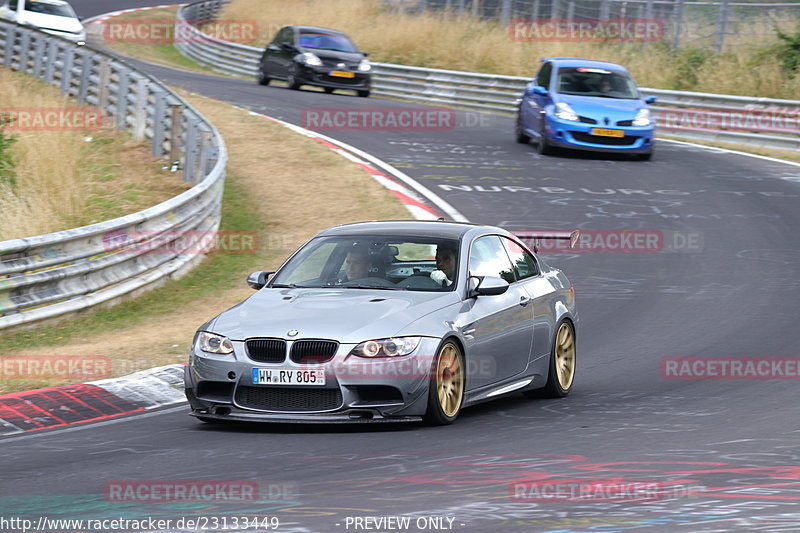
326	41
584	81
410	263
47	8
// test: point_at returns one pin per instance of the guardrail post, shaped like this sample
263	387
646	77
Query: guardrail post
604	9
8	48
121	114
722	25
571	10
140	110
175	132
505	13
678	15
24	46
535	10
50	60
556	9
86	72
159	116
460	7
206	153
105	82
190	150
39	55
66	70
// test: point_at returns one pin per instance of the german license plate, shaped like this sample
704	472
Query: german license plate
342	74
288	376
607	133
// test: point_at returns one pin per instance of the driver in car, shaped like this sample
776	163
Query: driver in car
445	271
357	263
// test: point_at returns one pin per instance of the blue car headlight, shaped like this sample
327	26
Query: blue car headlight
565	112
393	347
642	118
213	343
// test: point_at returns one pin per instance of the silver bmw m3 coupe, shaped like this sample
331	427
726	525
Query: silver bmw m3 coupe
389	321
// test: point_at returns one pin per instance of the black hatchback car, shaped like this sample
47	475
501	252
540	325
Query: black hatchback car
308	55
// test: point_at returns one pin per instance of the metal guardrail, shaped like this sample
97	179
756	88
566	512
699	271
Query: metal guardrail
49	275
763	122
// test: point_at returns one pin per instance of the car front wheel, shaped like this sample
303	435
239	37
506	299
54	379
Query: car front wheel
263	79
543	147
446	390
291	80
519	133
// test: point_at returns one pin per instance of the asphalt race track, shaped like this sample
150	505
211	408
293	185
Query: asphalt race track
715	274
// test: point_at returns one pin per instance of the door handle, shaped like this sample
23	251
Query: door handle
524	300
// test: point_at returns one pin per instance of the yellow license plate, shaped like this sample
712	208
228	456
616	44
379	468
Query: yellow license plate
342	74
607	133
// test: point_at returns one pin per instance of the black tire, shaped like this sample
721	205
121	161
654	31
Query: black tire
328	90
647	156
561	373
262	78
542	146
363	94
447	385
291	79
519	133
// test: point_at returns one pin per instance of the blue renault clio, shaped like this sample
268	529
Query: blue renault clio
585	105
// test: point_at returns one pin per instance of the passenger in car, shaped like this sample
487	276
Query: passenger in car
445	272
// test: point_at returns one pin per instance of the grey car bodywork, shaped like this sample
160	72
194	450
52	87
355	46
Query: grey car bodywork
507	339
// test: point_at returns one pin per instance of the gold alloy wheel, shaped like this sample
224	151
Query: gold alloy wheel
449	380
565	356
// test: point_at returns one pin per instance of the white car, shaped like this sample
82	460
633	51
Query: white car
55	17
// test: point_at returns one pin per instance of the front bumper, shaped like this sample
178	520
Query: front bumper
578	136
321	77
220	387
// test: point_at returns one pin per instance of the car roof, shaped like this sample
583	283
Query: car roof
427	228
318	29
580	62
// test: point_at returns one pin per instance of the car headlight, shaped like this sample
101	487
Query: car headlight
364	66
565	112
213	343
642	118
393	347
311	59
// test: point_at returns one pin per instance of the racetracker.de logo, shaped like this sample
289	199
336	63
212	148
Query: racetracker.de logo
378	119
730	368
50	118
599	490
165	491
76	367
189	242
162	31
586	30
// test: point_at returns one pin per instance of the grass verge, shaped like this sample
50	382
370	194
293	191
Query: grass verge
282	186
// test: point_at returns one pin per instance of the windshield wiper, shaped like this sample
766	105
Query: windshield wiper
379	287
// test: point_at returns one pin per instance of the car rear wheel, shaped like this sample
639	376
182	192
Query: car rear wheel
363	94
562	362
446	390
263	79
519	133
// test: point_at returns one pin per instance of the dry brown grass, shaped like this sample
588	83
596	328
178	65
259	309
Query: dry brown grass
68	178
299	186
435	41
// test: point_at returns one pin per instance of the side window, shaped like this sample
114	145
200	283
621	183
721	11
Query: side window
525	265
543	78
12	5
284	36
488	258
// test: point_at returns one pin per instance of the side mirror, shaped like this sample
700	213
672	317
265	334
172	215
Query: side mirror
365	54
258	279
541	91
650	99
487	286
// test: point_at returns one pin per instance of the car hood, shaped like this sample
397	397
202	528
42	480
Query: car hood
51	22
346	315
596	106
